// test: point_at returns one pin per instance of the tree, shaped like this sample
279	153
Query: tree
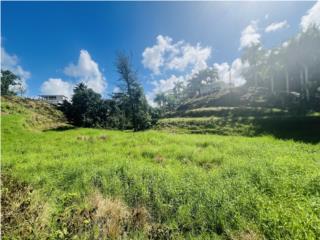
253	55
8	80
85	103
20	88
178	90
160	99
88	109
132	94
308	45
204	79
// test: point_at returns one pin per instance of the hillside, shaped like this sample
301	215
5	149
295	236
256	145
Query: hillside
244	113
240	96
36	115
82	183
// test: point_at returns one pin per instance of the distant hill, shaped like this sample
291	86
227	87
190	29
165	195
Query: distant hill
239	97
243	111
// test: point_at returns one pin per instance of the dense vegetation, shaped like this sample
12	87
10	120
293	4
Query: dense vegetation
11	84
127	109
86	183
286	76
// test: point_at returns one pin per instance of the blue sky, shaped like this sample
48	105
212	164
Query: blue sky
78	41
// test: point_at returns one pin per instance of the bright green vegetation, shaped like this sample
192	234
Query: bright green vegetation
159	185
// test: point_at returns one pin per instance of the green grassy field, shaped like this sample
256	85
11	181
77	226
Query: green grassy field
298	128
76	183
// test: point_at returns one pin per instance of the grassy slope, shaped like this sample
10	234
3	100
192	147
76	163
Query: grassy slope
203	186
245	112
299	128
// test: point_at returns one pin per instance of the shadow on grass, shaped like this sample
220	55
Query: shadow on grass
61	128
303	129
298	128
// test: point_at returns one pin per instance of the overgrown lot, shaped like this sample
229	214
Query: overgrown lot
92	184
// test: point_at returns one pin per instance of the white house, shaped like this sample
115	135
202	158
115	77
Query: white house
53	99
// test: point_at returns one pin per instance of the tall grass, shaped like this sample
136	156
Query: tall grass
189	186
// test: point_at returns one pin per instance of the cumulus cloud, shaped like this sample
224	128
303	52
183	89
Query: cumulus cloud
87	71
11	62
56	86
164	85
195	56
236	69
153	57
276	26
312	17
250	35
167	55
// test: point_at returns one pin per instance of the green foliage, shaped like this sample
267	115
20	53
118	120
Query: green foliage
88	109
127	109
8	80
166	101
202	82
85	106
191	186
132	97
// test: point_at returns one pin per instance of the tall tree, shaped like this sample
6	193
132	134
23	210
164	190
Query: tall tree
178	89
133	94
253	55
160	99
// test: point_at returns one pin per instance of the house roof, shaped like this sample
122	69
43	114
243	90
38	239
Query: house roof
52	95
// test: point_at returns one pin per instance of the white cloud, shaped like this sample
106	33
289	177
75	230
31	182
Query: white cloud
87	71
116	90
11	62
236	69
196	56
276	26
312	17
285	44
56	86
169	57
166	55
250	35
165	85
153	57
150	99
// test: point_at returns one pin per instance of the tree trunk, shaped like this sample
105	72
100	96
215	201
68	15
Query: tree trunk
287	80
301	81
255	80
306	79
